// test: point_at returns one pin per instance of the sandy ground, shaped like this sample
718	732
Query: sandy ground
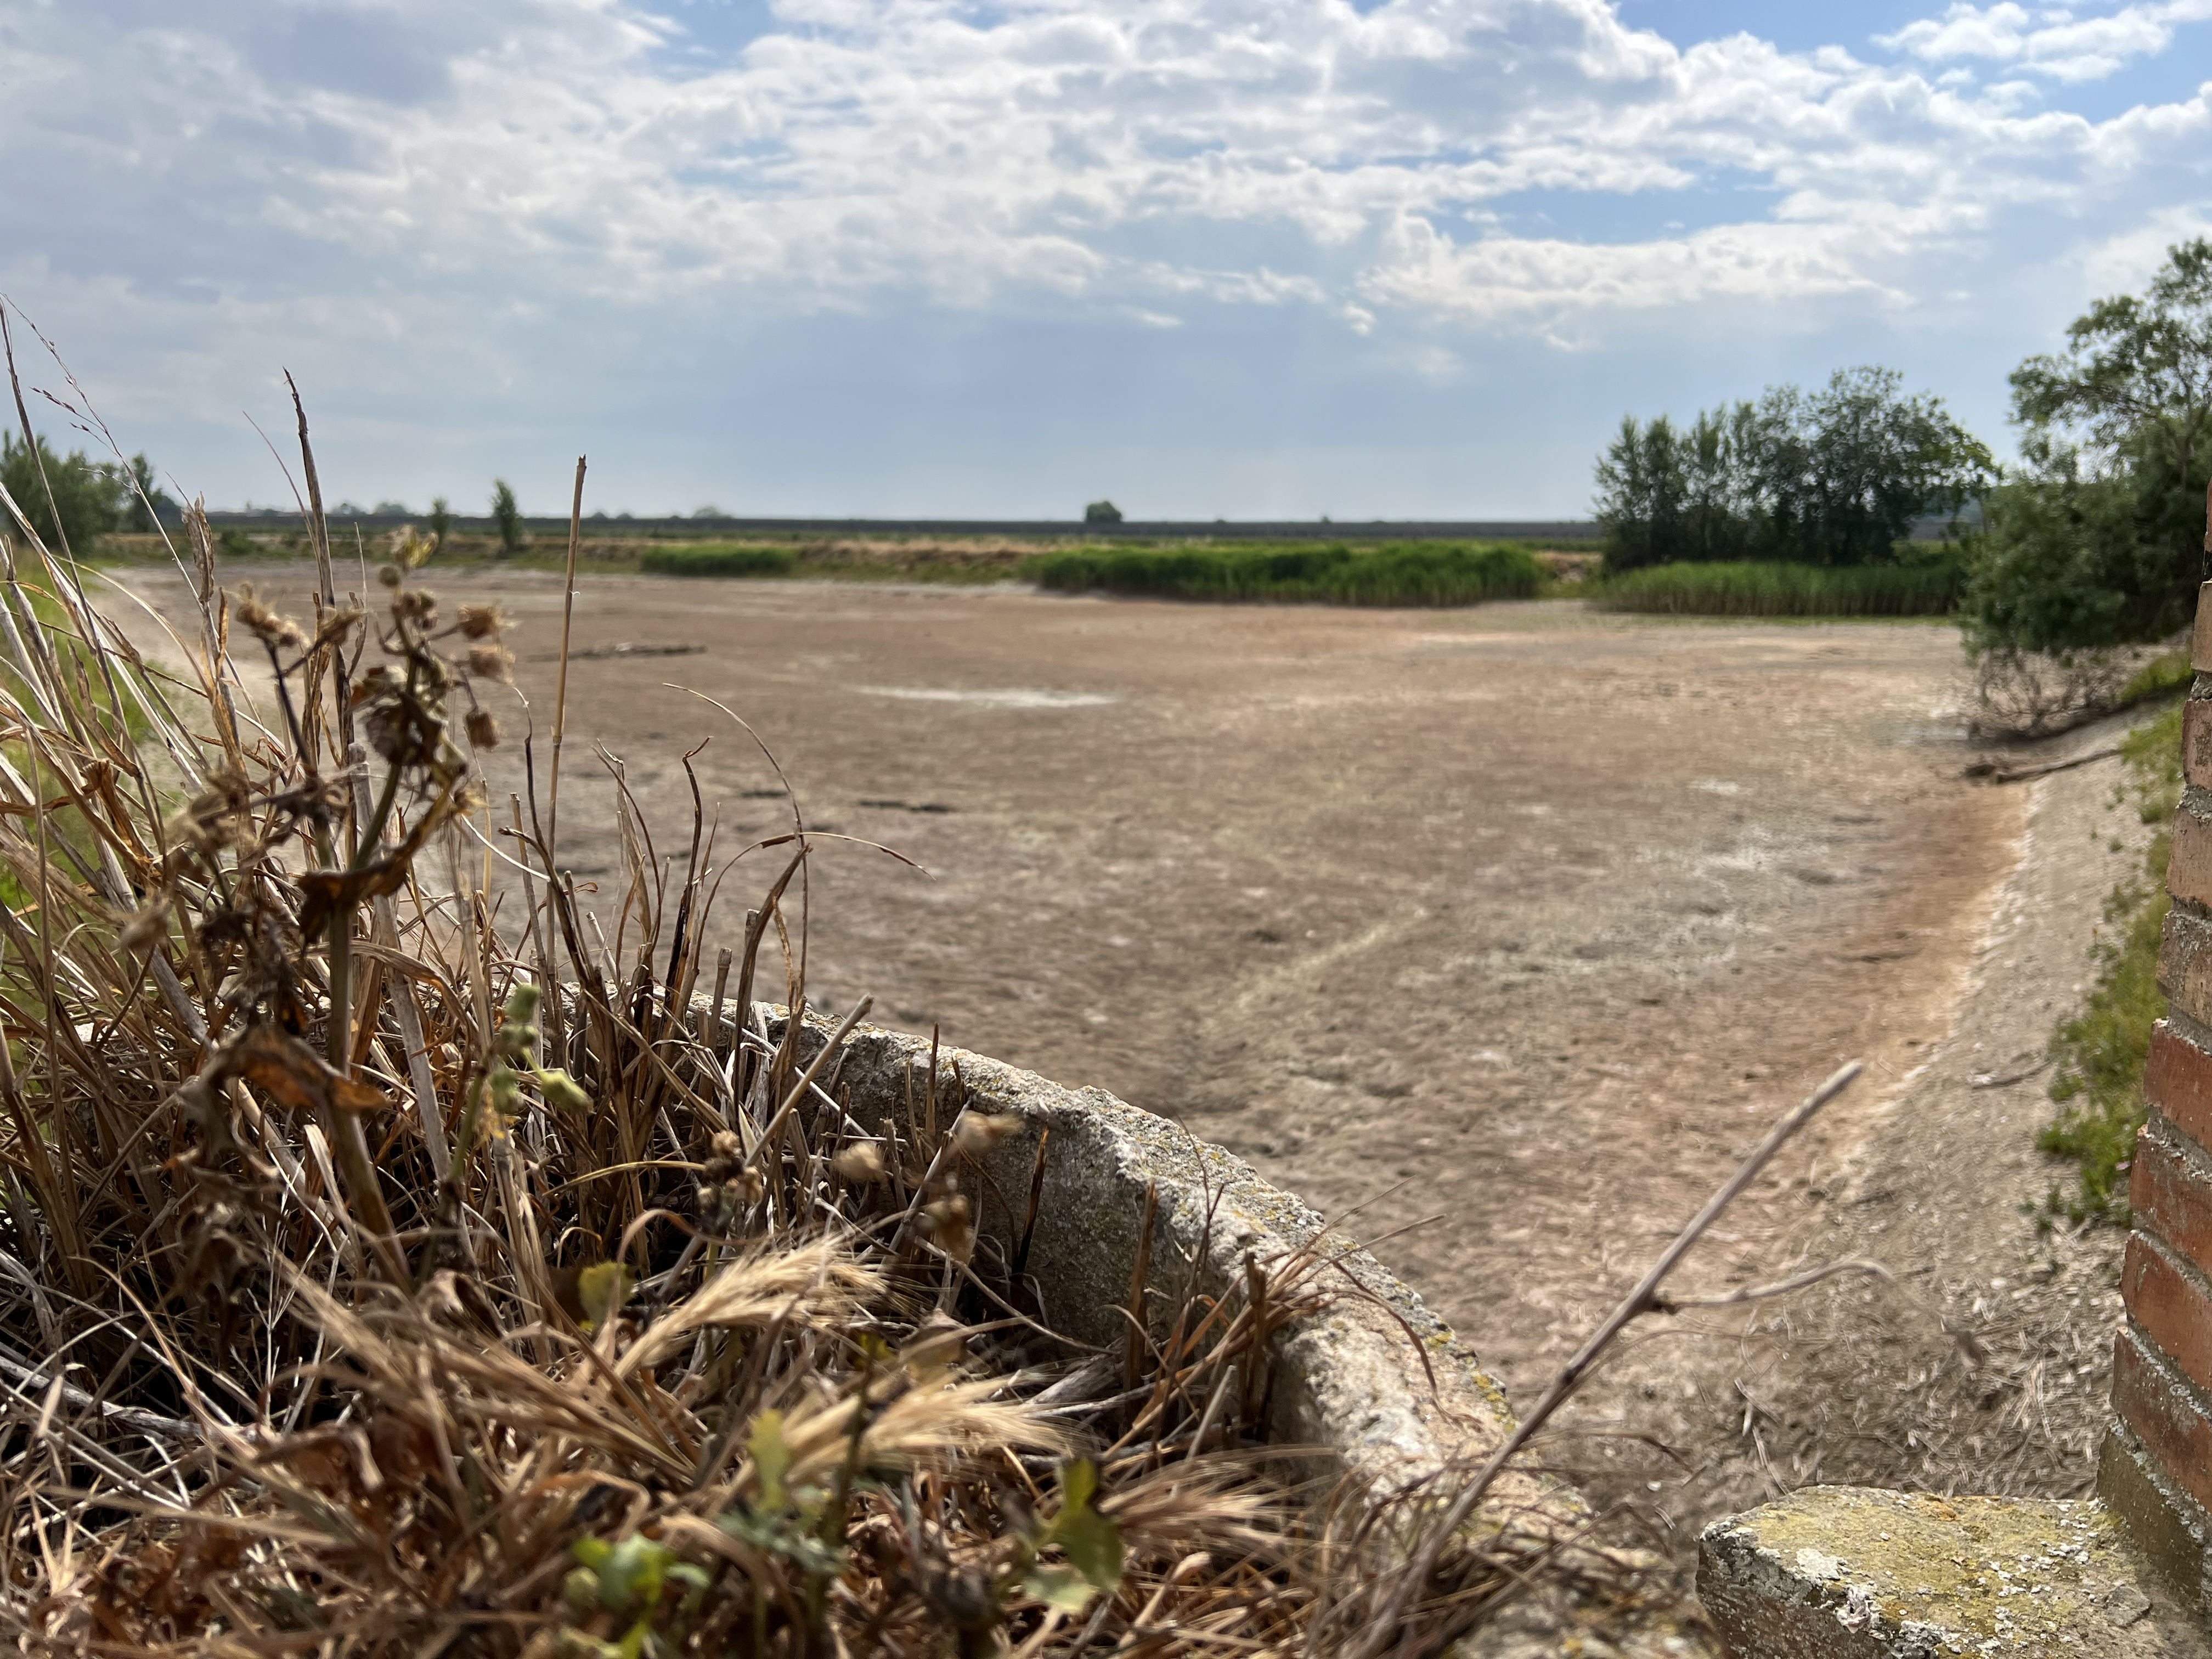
1505	931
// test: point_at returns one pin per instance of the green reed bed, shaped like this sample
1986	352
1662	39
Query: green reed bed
1399	573
717	559
1785	590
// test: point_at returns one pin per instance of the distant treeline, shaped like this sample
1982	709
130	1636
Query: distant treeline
1831	477
1394	574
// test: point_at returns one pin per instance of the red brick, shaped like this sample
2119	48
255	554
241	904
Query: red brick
2166	1416
2184	965
2200	644
2178	1076
2172	1199
2190	875
2171	1307
2196	743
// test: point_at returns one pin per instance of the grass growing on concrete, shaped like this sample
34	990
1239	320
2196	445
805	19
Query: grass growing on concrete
1394	574
1784	590
2100	1051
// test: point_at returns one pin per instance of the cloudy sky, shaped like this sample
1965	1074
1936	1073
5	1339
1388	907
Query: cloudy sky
1212	258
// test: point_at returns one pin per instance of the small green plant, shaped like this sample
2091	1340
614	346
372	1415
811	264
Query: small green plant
627	1581
2100	1051
507	516
716	559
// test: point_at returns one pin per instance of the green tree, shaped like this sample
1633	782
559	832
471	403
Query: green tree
442	520
2099	539
1101	513
506	515
1834	477
146	506
86	500
1642	494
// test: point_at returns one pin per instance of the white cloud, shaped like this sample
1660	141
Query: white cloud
925	147
2049	40
452	184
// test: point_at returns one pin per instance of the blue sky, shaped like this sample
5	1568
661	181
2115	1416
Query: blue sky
1212	258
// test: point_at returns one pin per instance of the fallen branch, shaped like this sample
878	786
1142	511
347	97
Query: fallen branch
1996	774
1642	1300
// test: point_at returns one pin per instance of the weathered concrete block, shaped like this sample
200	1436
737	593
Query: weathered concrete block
2178	1076
1847	1572
1377	1385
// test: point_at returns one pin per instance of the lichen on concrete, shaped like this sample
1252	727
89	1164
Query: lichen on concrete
1844	1572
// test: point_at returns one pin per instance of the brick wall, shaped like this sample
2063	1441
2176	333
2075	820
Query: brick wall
2157	1465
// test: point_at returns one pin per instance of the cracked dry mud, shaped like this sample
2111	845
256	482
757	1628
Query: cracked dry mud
1523	918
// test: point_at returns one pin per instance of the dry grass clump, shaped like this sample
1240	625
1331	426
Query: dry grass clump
380	1274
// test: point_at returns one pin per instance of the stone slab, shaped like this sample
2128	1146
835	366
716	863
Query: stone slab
1851	1572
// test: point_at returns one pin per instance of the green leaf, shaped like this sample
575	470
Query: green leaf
771	1455
601	1289
1093	1544
1078	1481
778	1533
1060	1587
580	1587
592	1552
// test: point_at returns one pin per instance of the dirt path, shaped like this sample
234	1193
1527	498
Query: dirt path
1524	918
1985	1366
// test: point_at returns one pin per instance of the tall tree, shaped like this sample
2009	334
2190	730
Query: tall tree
2099	539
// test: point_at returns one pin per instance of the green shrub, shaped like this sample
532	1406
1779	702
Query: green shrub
2169	672
1397	573
716	559
2100	1051
1785	590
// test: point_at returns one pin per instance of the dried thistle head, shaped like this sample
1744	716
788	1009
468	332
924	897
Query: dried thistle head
483	729
976	1133
409	550
482	622
951	1226
491	661
415	604
268	626
148	928
860	1164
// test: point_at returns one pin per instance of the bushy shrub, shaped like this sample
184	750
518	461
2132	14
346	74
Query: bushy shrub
2099	539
